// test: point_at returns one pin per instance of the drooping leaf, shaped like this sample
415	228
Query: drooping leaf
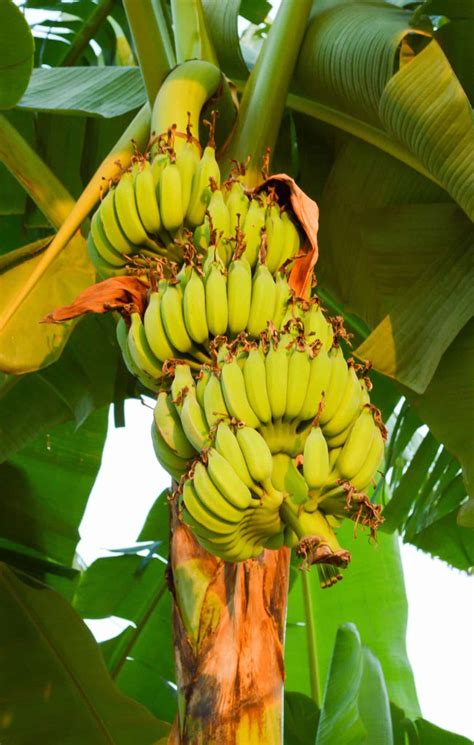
16	57
86	91
82	380
54	684
45	487
25	343
382	630
221	22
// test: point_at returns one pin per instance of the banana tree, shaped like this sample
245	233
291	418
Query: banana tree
365	105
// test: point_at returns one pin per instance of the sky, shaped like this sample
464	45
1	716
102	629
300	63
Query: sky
440	637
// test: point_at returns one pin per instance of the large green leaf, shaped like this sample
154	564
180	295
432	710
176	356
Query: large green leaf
87	91
45	488
54	685
362	599
355	706
88	376
25	343
16	56
140	659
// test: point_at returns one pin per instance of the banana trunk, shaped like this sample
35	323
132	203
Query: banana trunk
228	622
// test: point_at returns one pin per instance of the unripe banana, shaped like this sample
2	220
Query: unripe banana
299	371
201	385
364	477
291	239
102	243
217	313
276	365
227	481
318	382
194	309
219	214
146	199
207	169
212	498
348	408
239	294
127	213
194	422
169	426
158	165
316	459
254	222
263	300
235	396
214	404
336	387
139	348
257	456
338	440
317	327
122	337
155	330
183	381
287	478
199	511
275	238
103	268
227	445
173	319
254	372
237	204
282	298
111	225
187	160
171	198
356	448
175	465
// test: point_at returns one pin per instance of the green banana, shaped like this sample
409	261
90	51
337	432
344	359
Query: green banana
202	236
239	294
316	459
155	330
127	212
276	366
299	371
217	313
212	498
102	243
275	238
263	300
122	338
336	386
282	298
219	214
254	372
140	351
318	382
169	426
173	319
187	160
206	170
252	227
201	385
317	327
227	481
111	225
235	396
257	456
291	239
237	204
194	309
103	268
199	511
171	198
356	448
194	422
146	199
182	382
171	462
214	404
226	443
348	408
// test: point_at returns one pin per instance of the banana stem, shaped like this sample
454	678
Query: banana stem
36	177
266	90
33	174
190	32
314	677
153	45
86	33
289	517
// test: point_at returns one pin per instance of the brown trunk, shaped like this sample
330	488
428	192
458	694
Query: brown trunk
228	622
